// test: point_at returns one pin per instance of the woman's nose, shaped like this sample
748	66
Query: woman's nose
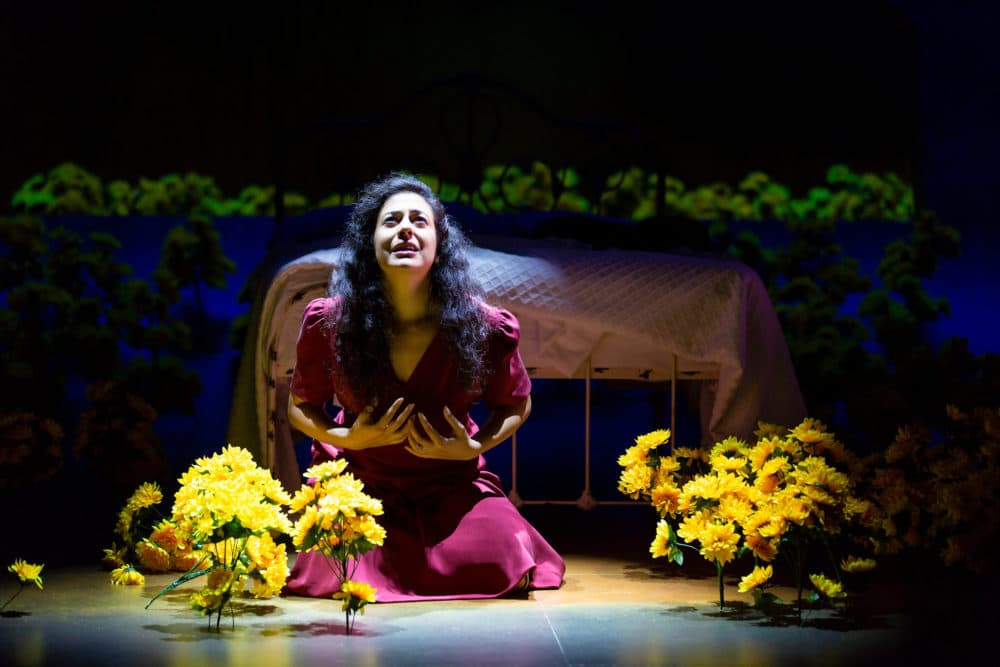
405	231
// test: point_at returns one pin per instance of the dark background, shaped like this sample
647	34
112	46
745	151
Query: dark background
143	89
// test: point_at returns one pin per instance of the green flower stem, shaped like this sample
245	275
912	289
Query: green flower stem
722	597
799	574
829	552
11	598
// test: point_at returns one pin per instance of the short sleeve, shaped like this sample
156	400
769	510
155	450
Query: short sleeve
311	379
508	382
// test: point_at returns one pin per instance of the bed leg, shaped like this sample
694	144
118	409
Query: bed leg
514	496
673	407
586	500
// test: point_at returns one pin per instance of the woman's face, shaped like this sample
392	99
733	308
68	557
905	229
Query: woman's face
405	236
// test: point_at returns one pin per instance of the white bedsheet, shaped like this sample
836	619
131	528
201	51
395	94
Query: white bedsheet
626	313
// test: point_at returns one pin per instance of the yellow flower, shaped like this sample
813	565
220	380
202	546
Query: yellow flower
304	496
718	542
358	590
668	466
634	481
728	463
152	557
774	528
690	453
791	448
113	557
796	509
270	562
775	465
304	525
664	497
766	483
761	547
367	527
124	524
27	572
693	525
759	577
762	451
706	487
653	438
662	540
126	575
206	601
325	470
638	454
819	481
733	508
955	413
768	430
854	565
229	491
730	445
146	495
165	536
185	560
830	589
811	431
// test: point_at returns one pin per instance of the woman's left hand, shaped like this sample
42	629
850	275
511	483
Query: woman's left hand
426	442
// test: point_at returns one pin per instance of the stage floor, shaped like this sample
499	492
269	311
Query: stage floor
617	607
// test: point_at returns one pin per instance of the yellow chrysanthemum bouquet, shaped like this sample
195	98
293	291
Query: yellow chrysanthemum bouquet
229	509
942	493
337	519
783	494
150	541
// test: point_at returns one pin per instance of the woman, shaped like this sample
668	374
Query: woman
407	346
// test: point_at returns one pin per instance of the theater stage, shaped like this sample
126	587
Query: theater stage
617	606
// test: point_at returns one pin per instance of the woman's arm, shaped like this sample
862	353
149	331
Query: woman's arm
502	423
427	442
313	421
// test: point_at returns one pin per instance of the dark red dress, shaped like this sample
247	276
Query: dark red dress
451	532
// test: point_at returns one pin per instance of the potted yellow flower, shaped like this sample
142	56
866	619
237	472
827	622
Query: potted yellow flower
783	494
229	509
337	519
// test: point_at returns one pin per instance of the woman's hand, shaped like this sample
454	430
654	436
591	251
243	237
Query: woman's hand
426	442
390	429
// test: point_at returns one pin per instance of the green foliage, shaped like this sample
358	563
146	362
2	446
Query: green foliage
173	194
69	188
512	188
875	363
192	255
630	193
66	188
257	200
71	311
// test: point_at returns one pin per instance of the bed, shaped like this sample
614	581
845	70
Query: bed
588	311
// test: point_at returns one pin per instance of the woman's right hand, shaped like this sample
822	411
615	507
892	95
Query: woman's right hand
390	429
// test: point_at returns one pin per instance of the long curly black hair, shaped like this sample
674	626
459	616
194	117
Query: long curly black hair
365	320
